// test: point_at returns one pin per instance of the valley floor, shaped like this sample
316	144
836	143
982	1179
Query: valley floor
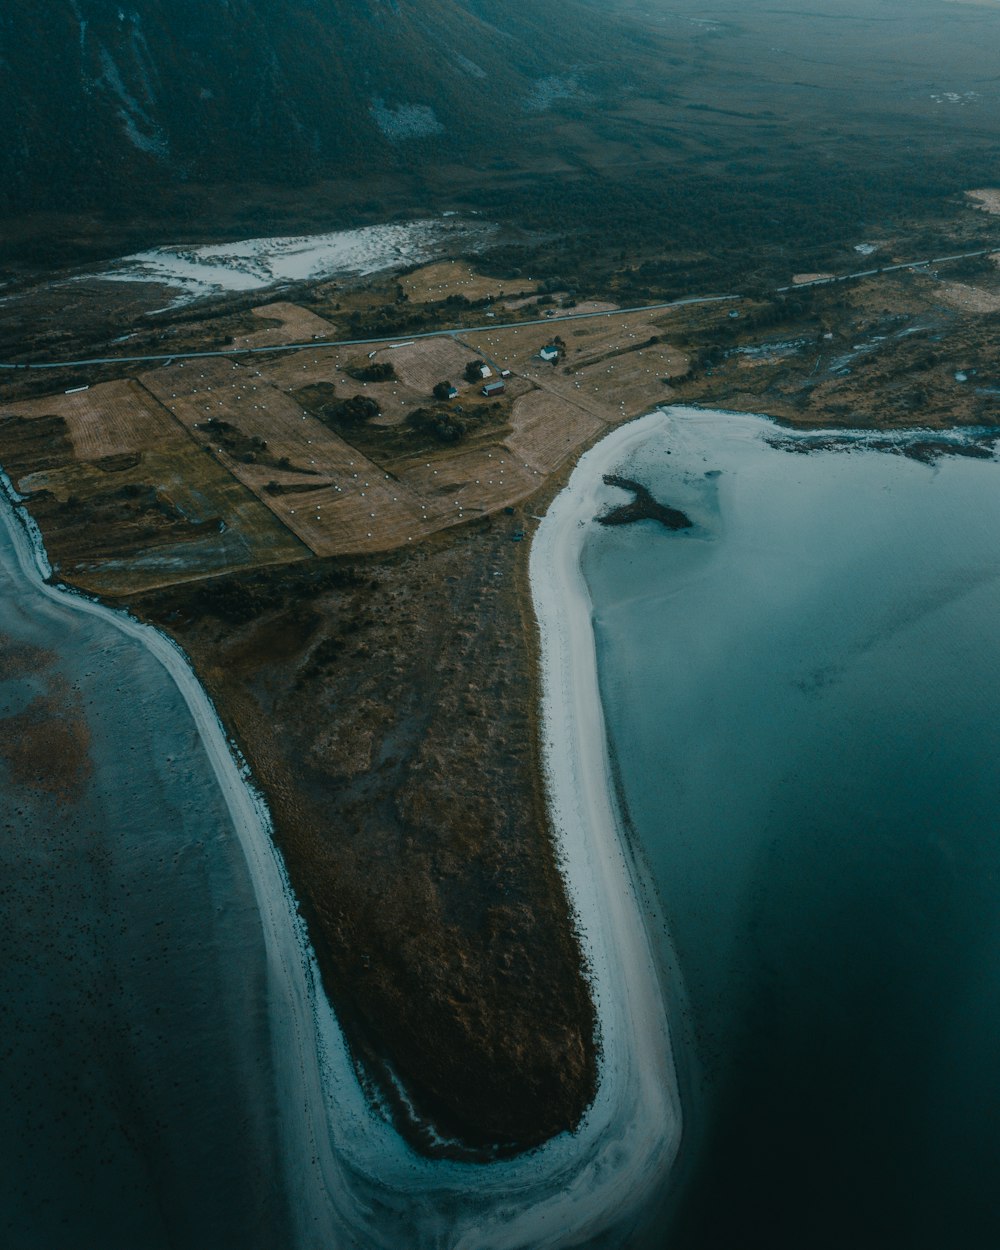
355	600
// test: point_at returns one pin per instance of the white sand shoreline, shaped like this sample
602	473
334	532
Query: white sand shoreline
292	973
637	1066
351	1180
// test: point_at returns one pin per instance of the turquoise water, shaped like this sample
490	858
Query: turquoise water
803	698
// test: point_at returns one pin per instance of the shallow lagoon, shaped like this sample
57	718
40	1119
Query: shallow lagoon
802	696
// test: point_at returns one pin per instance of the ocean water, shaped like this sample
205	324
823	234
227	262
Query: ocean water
137	1094
802	696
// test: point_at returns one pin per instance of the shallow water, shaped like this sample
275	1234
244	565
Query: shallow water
803	697
137	1104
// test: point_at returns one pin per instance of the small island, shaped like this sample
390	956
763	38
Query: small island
642	508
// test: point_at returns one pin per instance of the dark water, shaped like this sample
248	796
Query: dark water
136	1088
804	697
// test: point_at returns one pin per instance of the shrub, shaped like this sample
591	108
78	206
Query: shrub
355	411
373	371
442	426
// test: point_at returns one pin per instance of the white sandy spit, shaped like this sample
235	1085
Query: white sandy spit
255	264
352	1181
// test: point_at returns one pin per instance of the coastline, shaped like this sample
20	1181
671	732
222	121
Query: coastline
351	1180
830	608
637	1067
291	970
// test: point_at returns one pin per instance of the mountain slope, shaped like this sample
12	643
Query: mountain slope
104	100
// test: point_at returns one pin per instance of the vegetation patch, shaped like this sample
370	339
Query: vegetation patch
371	371
232	439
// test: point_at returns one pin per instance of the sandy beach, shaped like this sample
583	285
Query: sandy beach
638	1077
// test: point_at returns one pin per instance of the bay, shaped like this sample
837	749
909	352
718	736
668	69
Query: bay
803	703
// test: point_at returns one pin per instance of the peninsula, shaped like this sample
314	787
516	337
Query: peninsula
349	581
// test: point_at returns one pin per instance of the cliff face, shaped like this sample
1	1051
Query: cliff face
102	99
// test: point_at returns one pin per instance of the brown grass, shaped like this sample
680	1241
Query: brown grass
547	429
337	488
294	325
374	513
969	298
438	281
593	306
107	420
429	361
243	398
328	495
986	198
610	377
554	414
120	418
292	373
474	481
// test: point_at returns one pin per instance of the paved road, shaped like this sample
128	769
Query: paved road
400	338
871	273
483	329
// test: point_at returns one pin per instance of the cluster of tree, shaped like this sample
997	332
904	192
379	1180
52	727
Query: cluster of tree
358	410
730	229
972	267
372	371
441	424
324	654
245	447
241	597
474	370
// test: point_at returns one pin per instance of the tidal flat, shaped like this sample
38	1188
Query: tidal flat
137	1096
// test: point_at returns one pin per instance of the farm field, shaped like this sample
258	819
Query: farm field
610	367
224	463
452	277
256	421
128	501
294	324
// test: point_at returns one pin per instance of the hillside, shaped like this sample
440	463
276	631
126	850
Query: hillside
117	101
601	132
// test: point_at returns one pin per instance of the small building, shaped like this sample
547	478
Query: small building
485	371
549	353
494	388
453	392
505	373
